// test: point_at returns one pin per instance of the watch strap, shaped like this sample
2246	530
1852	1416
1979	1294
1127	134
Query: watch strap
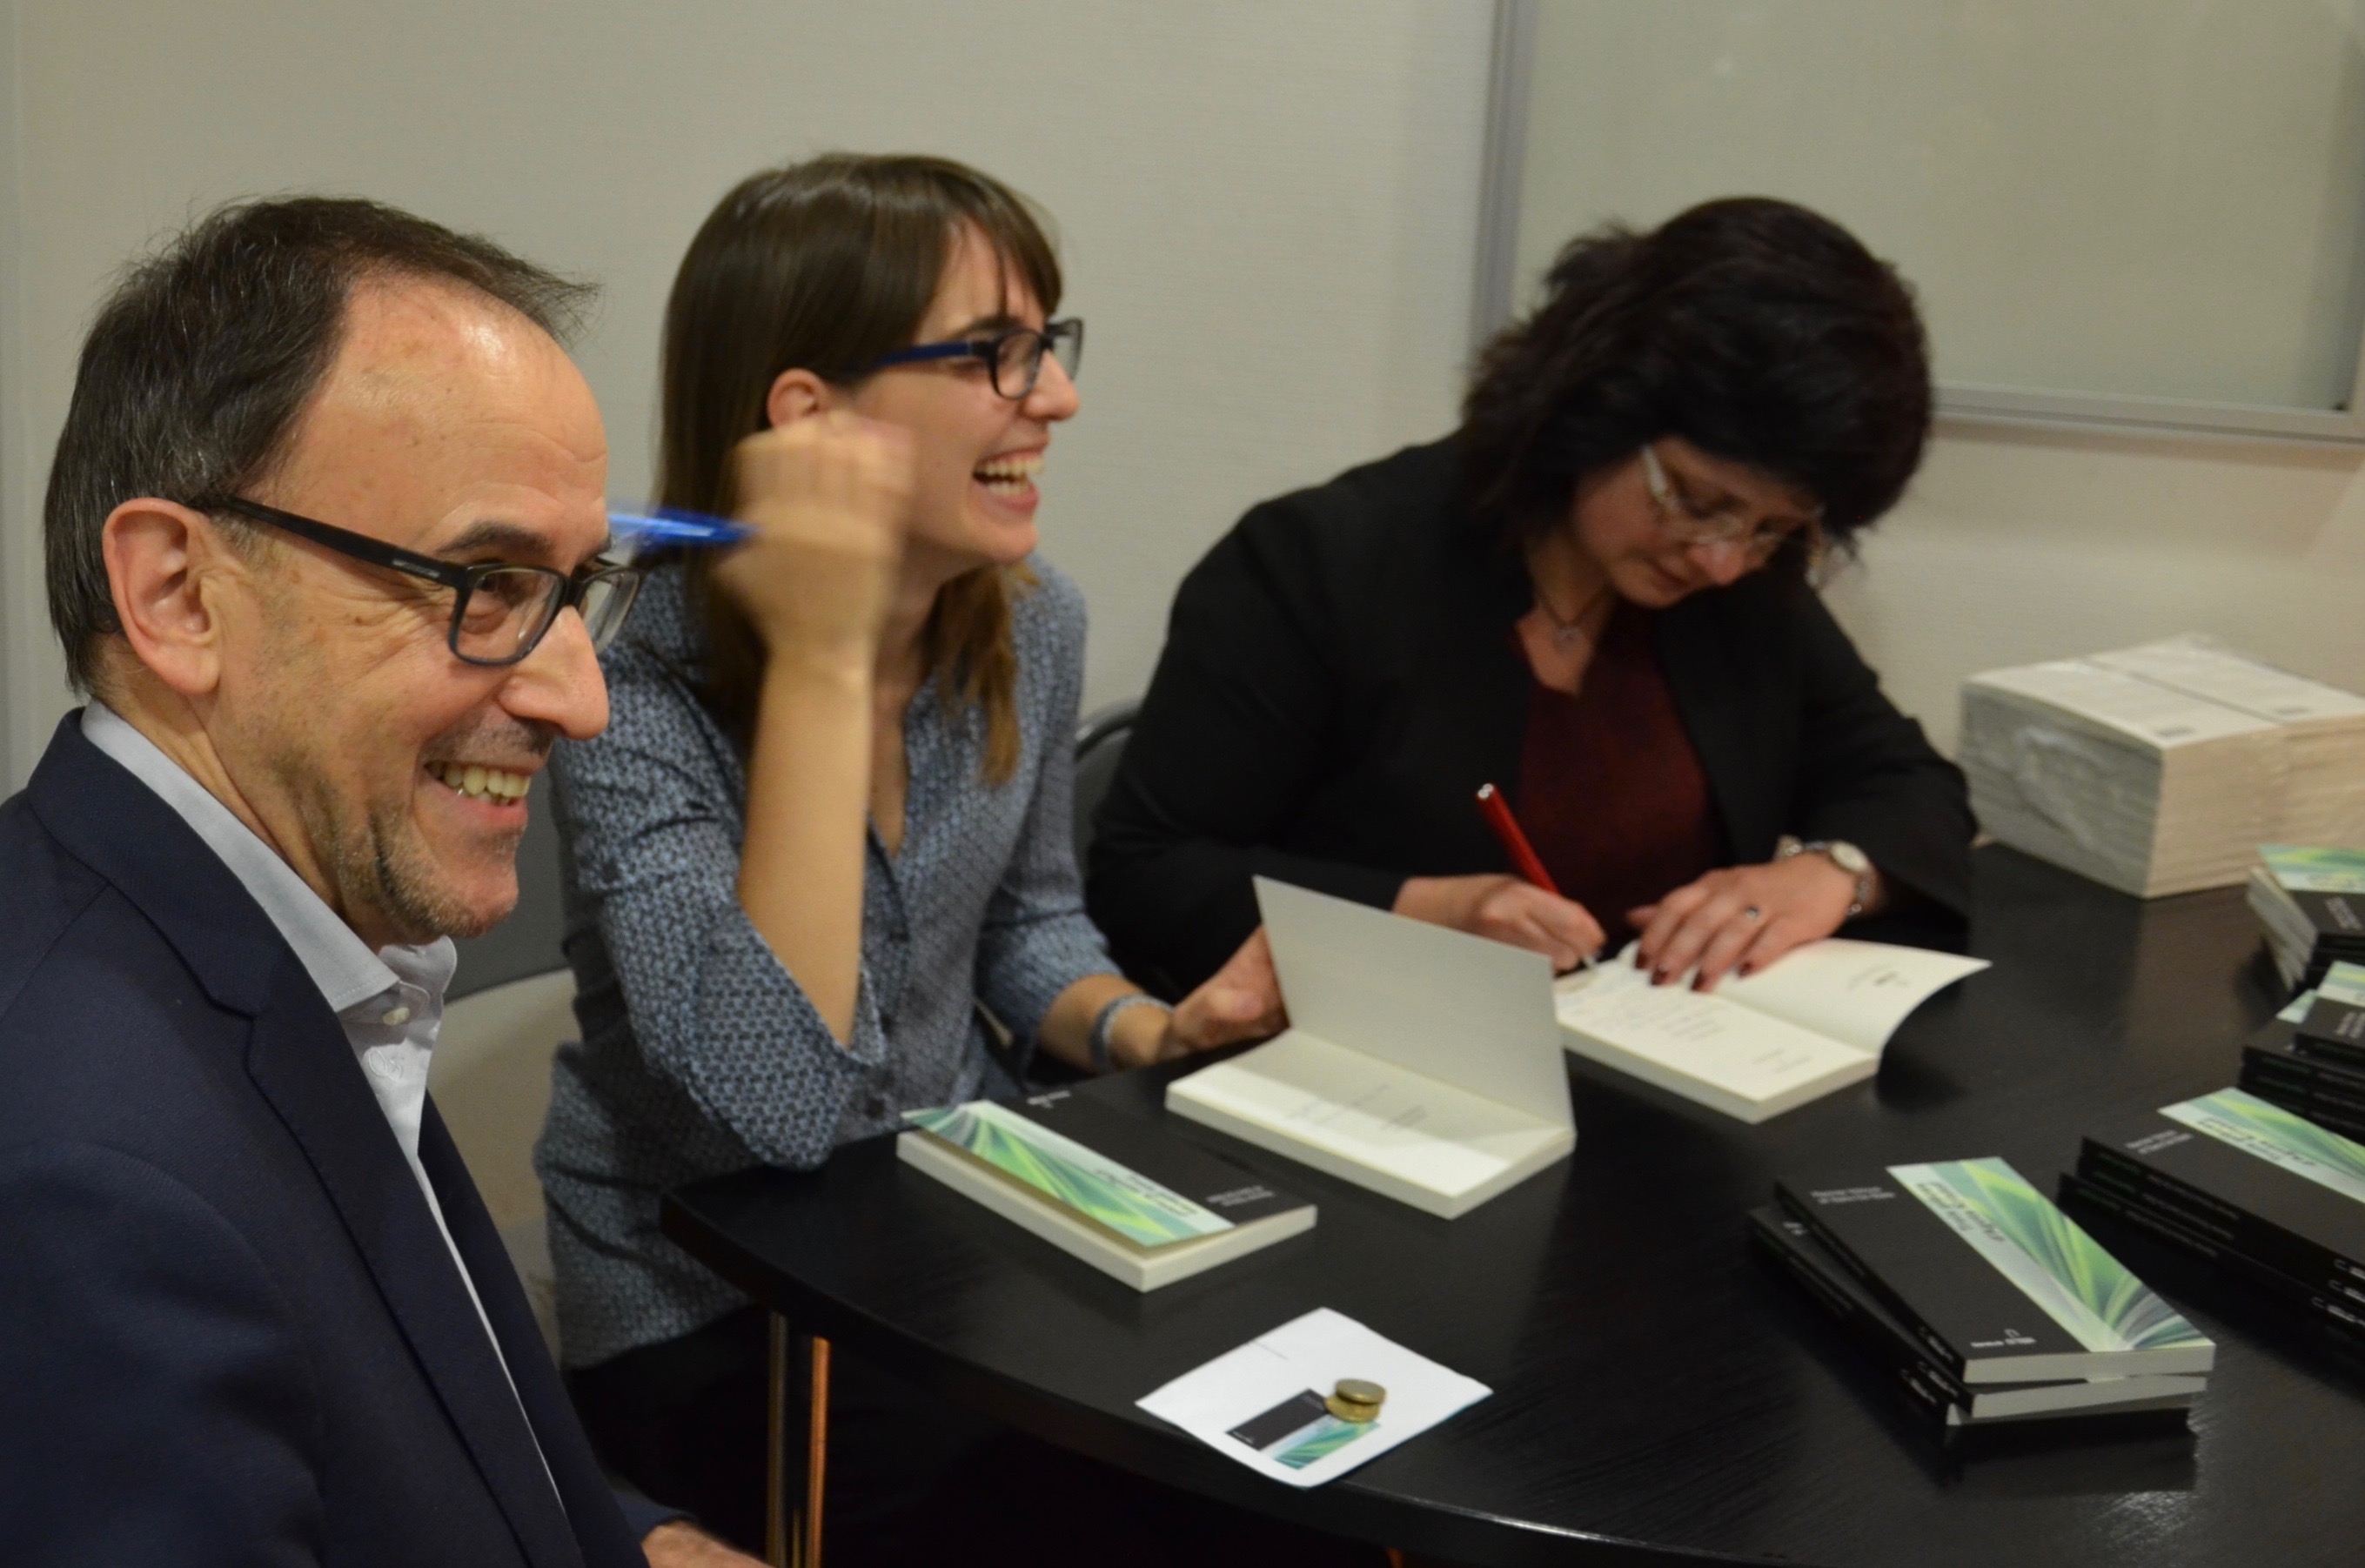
1790	844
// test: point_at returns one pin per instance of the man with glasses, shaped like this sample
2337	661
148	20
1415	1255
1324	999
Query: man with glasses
324	536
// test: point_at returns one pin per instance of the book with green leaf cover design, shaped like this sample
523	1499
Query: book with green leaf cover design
1900	1354
2249	1175
1122	1194
1998	1285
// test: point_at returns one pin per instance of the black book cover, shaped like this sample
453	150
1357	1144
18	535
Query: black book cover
2338	919
2243	1189
1877	1331
2273	1035
2333	1031
2288	1062
1991	1277
2134	1208
2290	1080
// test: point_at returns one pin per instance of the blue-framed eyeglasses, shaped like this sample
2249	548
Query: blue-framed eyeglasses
1014	359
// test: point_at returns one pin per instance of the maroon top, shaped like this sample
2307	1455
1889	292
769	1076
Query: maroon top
1611	792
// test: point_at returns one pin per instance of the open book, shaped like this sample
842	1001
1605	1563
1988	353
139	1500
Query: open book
1421	1063
1813	1020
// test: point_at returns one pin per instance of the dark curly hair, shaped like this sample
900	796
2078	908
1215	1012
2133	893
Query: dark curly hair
1759	332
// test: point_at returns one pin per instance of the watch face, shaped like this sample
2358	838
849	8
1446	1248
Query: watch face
1848	857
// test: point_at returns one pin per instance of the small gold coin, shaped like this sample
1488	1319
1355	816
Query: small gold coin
1353	1399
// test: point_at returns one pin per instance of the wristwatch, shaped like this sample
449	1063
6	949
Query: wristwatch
1840	852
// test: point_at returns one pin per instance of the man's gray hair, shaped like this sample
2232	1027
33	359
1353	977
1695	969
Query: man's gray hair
202	361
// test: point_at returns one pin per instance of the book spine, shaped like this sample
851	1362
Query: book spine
2316	1266
2304	1072
2328	1103
2329	1053
2134	1211
1946	1356
2332	1118
1932	1391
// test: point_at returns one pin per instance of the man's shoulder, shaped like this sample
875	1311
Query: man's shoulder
48	890
103	1030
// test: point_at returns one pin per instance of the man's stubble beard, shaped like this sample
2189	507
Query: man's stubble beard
375	860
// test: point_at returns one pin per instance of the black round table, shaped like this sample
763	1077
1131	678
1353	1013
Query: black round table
1661	1393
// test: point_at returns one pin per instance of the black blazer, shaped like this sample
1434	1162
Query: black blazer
1340	678
229	1329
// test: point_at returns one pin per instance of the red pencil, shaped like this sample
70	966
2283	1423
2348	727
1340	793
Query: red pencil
1515	843
1498	812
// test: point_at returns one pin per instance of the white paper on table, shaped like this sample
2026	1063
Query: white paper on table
1254	1387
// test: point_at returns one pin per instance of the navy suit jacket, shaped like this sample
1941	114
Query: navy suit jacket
229	1329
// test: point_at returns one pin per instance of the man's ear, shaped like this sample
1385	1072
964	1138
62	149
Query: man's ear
165	563
796	395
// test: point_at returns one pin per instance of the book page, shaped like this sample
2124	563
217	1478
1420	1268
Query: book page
1700	1035
1372	1112
1856	992
1454	1008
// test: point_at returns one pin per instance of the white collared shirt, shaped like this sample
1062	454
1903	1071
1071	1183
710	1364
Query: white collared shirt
390	1001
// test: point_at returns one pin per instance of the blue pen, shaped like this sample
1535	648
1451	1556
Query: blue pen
678	527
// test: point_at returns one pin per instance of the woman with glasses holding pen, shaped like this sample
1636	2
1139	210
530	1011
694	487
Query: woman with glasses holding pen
1595	595
829	826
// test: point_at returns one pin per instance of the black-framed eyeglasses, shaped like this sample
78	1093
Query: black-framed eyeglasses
499	611
1014	359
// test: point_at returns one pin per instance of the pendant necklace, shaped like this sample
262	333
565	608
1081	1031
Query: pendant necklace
1567	629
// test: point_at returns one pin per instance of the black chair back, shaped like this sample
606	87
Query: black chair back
1100	745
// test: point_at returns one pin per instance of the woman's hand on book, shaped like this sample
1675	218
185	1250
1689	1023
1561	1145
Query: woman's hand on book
827	496
1240	1001
1740	919
1505	909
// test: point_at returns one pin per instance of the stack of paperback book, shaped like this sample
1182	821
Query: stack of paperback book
2311	903
2309	1058
2265	1194
1980	1299
2155	770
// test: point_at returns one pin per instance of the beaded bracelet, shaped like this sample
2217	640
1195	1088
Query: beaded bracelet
1105	1022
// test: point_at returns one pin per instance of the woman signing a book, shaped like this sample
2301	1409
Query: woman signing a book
829	825
1596	595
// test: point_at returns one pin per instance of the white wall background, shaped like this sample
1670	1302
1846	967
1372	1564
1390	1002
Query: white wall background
1266	211
1268	214
2109	197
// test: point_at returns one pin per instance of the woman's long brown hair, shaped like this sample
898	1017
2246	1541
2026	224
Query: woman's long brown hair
826	266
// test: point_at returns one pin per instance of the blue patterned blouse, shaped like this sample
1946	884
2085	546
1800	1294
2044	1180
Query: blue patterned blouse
700	1055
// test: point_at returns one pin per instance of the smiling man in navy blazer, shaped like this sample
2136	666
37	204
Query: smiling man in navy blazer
321	536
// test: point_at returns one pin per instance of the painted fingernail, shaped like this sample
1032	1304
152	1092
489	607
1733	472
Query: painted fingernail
1745	969
1658	977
